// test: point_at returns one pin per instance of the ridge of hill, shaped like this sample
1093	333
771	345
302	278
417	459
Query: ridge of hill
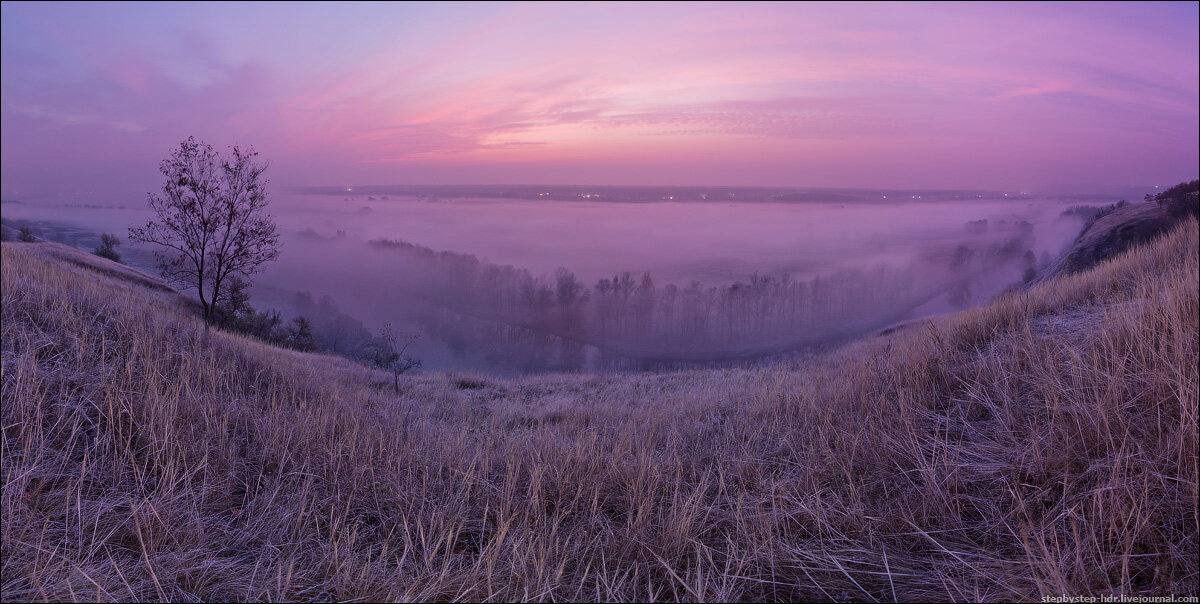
1122	226
1043	444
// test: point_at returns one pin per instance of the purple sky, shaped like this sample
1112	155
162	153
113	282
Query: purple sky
859	95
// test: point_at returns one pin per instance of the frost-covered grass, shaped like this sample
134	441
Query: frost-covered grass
1044	444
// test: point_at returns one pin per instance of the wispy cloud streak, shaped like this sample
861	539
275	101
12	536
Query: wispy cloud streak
389	94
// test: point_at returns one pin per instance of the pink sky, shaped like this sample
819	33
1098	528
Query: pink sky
855	95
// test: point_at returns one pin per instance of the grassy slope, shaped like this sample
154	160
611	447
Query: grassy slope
1109	235
1043	444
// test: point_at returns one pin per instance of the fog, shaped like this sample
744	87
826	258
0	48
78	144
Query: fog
528	280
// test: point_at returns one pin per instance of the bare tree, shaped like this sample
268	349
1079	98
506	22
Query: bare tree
391	354
211	219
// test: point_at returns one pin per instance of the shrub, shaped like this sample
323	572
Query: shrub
1181	200
108	247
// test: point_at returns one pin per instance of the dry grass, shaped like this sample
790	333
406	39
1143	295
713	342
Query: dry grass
1045	444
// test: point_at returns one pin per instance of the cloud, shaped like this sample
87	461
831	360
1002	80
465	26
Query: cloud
329	91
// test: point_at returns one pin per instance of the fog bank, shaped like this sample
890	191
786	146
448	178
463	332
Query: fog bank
510	285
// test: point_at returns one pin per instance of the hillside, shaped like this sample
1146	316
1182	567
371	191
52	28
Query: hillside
1124	227
1044	444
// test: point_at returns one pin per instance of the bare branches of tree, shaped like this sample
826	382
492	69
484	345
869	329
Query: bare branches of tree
392	354
211	219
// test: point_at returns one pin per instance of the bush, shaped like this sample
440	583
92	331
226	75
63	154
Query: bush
299	335
108	247
1181	200
234	312
26	234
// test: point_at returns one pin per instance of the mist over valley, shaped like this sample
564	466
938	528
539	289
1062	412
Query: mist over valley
554	278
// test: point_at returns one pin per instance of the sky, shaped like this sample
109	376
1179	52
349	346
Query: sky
975	95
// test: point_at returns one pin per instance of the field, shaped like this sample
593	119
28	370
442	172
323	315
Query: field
1043	444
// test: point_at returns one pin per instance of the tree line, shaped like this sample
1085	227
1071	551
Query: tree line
470	301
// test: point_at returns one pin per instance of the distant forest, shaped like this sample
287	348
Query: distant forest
555	321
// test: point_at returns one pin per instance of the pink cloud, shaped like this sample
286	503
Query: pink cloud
726	92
